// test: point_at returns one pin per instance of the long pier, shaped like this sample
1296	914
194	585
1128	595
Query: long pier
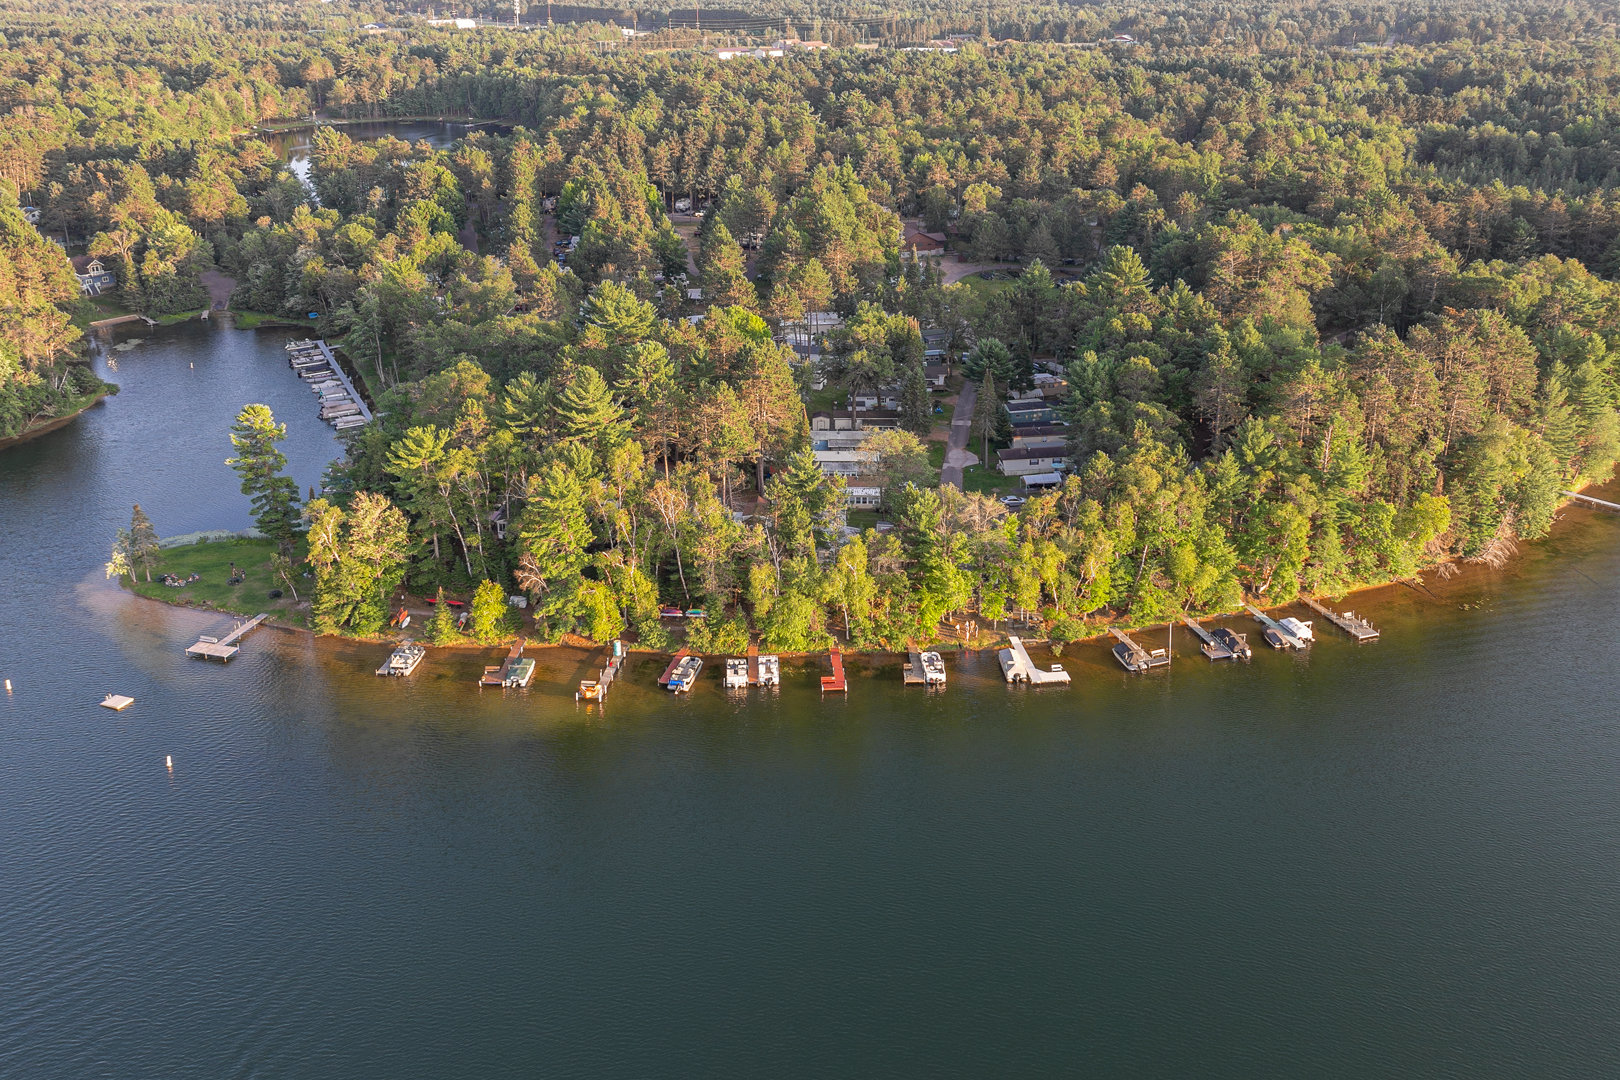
224	648
1599	503
1349	622
1272	624
1016	666
913	671
340	403
1210	647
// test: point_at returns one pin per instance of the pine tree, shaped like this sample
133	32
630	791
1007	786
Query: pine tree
986	411
259	464
488	622
916	407
586	411
442	627
143	542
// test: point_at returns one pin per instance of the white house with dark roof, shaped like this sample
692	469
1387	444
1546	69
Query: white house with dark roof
1032	459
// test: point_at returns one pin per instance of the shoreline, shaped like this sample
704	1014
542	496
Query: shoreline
997	642
47	426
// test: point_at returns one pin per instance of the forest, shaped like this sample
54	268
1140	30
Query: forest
1332	290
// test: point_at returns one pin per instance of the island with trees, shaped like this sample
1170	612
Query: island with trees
1318	297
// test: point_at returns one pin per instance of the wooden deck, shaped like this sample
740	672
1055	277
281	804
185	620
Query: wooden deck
1210	647
663	680
1358	628
1137	658
496	676
836	681
224	648
753	665
912	673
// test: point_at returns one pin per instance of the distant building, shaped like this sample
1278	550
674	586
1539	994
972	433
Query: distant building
846	420
94	277
935	375
1032	459
459	24
31	214
1030	412
924	243
1026	436
862	493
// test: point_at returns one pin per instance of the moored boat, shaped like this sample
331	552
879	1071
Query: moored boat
933	667
1237	644
1300	630
685	674
737	673
403	660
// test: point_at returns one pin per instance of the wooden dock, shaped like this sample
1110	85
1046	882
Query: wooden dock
835	682
1349	622
496	676
1134	657
674	661
1288	639
341	404
1210	647
913	671
1016	666
224	648
753	665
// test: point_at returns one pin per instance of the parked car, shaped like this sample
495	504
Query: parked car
1012	500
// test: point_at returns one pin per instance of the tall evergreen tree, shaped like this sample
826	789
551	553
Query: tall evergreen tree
143	542
259	463
916	407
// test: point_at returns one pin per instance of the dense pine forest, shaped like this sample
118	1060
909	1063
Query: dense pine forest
1329	292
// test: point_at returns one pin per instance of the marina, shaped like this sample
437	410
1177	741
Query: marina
340	404
224	648
1016	666
403	660
1134	657
1277	634
1348	621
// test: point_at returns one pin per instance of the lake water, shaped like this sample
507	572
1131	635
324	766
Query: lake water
1389	860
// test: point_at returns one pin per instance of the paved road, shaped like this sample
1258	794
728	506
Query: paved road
957	456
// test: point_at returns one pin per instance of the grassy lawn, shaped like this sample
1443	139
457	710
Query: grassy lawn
983	289
252	320
179	317
936	455
827	400
861	519
213	562
989	481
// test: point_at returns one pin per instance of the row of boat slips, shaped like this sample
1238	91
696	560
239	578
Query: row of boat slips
340	404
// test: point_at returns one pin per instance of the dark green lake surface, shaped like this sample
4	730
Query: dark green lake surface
1389	860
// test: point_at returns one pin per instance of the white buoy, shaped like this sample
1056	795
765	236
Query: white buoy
168	759
8	686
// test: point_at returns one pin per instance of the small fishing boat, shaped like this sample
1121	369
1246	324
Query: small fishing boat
1275	639
403	660
933	668
1237	644
685	675
737	673
1301	630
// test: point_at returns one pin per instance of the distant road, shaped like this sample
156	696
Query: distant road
957	456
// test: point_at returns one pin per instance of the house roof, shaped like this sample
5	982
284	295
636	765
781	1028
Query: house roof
1026	431
1036	405
1026	453
81	263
